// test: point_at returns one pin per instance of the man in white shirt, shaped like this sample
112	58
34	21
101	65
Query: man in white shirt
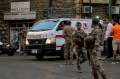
108	39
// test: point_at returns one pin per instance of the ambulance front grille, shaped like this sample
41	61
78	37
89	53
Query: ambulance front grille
36	41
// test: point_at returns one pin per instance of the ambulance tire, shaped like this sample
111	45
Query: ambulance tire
39	56
62	52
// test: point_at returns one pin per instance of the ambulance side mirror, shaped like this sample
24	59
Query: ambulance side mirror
59	28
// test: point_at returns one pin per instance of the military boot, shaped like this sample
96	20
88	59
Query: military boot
95	77
104	76
79	69
95	74
70	62
66	61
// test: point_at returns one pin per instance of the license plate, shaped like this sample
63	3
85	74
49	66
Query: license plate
34	50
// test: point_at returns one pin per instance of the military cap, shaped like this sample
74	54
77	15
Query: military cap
78	23
68	23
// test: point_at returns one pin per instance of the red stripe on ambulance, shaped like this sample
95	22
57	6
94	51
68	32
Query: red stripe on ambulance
59	35
58	46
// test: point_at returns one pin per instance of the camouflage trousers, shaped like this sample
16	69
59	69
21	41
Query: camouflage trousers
96	65
80	56
23	45
68	53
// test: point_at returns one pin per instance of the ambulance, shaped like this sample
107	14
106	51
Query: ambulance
45	37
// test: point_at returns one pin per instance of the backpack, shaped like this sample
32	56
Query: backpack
90	39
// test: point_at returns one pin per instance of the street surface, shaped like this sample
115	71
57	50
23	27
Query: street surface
27	67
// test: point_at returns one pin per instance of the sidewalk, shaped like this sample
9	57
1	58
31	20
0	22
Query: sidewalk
110	59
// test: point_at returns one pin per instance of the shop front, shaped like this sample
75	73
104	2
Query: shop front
18	32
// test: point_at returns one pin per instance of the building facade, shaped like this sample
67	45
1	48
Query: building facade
100	8
17	14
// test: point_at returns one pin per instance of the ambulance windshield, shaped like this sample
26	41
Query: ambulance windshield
44	25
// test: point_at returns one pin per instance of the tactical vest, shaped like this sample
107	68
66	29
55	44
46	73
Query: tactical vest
79	38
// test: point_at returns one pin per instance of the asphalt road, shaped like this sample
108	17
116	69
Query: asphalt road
27	67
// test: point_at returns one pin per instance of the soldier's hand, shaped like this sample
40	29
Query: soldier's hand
76	46
106	39
94	52
64	35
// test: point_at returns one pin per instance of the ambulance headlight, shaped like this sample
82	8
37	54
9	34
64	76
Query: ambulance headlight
27	43
50	40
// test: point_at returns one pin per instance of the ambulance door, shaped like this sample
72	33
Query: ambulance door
59	35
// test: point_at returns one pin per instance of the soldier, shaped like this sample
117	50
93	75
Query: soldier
68	52
78	42
92	44
23	33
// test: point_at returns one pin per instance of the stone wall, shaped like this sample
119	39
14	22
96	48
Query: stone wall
4	26
63	8
99	10
38	6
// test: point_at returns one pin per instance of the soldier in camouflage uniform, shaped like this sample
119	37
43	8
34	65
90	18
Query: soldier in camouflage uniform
78	42
68	52
93	43
23	33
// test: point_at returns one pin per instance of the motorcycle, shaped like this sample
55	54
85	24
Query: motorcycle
8	49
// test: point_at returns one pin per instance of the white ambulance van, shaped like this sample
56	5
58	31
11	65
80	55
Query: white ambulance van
45	37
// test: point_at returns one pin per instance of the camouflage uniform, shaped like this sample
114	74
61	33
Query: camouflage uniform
68	52
95	58
78	40
23	33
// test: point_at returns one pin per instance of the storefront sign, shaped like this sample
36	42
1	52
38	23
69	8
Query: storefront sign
96	1
19	16
20	6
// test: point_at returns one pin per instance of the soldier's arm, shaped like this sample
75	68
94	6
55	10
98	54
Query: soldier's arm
73	39
85	34
64	32
96	36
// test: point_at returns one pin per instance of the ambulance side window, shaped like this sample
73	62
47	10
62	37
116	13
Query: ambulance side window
61	25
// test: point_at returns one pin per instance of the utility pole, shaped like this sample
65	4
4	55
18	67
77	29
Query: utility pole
47	7
78	4
110	9
89	8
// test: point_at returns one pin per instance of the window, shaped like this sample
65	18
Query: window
62	25
43	25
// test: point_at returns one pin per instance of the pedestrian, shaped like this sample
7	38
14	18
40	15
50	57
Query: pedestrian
104	42
108	39
78	43
68	48
115	31
93	44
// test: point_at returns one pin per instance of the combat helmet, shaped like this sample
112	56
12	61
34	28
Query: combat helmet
89	41
78	23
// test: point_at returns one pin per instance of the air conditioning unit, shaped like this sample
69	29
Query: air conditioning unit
114	10
86	9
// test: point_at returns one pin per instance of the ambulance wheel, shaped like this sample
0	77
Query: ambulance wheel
62	52
39	56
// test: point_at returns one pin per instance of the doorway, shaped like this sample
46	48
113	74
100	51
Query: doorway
19	29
